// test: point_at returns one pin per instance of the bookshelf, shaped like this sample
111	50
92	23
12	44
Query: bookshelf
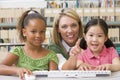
9	22
86	9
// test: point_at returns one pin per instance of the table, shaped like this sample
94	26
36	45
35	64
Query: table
114	76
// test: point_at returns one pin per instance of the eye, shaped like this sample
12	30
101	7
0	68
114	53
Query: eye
73	25
33	31
91	35
43	31
99	35
64	26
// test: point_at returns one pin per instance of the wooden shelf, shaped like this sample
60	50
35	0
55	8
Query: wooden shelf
9	25
17	44
11	44
49	24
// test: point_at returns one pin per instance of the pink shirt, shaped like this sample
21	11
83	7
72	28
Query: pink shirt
105	57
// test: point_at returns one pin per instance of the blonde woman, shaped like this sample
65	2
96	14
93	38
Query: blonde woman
67	29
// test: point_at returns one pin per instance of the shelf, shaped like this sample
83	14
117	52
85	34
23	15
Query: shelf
116	23
8	25
49	24
16	44
11	44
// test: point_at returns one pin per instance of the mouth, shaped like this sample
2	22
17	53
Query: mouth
38	41
95	45
70	36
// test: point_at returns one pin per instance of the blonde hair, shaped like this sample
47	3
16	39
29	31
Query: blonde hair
65	12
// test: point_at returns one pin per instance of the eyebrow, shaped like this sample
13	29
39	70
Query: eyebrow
94	33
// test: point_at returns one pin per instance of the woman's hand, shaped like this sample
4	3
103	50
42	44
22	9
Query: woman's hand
103	67
76	49
22	71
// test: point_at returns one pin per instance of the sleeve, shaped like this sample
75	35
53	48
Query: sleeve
53	57
54	48
114	53
62	60
15	51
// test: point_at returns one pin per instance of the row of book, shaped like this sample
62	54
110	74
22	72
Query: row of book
82	3
13	21
11	36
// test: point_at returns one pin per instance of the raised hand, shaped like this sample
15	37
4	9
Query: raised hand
76	49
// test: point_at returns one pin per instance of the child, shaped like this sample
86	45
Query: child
32	56
99	53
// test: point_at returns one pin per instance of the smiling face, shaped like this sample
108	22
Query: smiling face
68	29
95	39
35	32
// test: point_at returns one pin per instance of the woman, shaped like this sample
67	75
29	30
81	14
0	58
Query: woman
67	29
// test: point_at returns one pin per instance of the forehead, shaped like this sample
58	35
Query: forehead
66	20
36	23
95	29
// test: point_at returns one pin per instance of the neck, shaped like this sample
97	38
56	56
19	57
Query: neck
33	48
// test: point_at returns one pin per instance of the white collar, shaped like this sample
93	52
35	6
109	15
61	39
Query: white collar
66	46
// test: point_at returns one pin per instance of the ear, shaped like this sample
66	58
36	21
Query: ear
24	32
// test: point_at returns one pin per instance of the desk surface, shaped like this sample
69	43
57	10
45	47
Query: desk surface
114	76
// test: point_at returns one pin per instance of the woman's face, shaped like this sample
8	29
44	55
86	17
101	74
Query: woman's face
69	30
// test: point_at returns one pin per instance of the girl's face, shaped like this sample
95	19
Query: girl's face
68	29
95	39
35	32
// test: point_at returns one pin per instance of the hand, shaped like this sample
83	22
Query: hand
103	67
22	71
84	66
76	49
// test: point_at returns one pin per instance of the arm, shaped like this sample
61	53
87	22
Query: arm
53	65
70	64
115	64
7	68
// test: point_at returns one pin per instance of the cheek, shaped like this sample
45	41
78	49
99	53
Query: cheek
62	32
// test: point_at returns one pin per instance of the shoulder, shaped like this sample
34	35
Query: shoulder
54	47
16	50
111	50
51	52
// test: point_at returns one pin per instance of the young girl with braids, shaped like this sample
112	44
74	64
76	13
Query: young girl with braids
32	56
99	52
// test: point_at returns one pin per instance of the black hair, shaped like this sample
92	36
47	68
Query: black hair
103	26
24	20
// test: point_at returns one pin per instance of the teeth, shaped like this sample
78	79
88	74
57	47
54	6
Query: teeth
70	36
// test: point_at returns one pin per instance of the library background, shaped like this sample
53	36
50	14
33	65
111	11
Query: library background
11	10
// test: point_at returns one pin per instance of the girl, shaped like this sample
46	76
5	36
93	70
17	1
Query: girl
99	53
32	56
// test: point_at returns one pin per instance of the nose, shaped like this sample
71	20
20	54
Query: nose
69	29
94	38
38	35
